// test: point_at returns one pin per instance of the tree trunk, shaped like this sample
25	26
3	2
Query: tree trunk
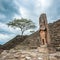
22	33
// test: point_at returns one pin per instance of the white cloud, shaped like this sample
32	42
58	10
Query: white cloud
1	6
39	6
45	3
24	7
24	12
9	29
17	3
17	16
2	16
5	38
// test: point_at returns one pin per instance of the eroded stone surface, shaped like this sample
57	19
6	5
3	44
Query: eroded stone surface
27	55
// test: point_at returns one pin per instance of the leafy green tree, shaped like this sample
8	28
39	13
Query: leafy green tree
23	24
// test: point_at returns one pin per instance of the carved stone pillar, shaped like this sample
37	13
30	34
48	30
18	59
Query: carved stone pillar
44	36
44	31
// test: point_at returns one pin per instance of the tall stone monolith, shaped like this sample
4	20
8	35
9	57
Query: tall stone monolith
44	36
44	30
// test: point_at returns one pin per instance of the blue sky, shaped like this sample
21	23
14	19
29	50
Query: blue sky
30	9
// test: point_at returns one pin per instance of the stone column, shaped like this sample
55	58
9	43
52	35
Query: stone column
44	36
44	30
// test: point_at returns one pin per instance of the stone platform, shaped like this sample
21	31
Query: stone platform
43	49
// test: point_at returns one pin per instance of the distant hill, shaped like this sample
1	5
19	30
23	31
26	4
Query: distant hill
33	39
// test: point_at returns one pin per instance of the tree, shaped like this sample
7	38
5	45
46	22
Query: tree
23	24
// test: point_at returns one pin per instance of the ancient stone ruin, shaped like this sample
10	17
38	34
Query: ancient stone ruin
44	36
45	40
44	30
42	51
